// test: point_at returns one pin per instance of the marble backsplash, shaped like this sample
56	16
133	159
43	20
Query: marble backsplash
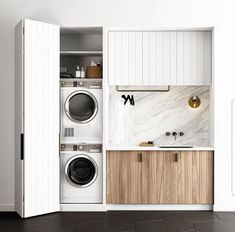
155	113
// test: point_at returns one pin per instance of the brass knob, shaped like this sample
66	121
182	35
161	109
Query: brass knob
194	102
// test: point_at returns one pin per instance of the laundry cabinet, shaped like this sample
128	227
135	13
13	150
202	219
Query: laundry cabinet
41	48
160	177
151	57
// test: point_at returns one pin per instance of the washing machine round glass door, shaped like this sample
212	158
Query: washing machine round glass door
81	171
81	106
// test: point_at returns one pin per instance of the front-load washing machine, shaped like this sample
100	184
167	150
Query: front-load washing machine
81	173
81	111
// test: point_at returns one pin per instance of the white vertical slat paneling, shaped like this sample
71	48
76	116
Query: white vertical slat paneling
153	58
41	163
112	58
160	51
180	57
200	58
132	58
160	58
193	58
173	56
208	58
186	57
139	58
146	58
125	58
166	58
19	102
118	58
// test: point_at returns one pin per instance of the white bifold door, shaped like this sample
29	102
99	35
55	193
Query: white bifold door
37	118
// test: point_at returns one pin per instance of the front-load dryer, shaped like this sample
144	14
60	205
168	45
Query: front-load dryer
81	111
81	173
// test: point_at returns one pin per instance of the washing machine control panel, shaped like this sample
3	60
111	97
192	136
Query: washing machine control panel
91	148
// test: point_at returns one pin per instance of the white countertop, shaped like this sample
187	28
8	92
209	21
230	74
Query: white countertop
155	148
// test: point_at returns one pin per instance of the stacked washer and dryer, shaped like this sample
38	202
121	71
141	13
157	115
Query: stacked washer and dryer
81	141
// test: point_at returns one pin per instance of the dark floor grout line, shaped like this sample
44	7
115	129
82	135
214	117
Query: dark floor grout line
134	226
195	228
148	221
188	231
164	216
204	221
217	216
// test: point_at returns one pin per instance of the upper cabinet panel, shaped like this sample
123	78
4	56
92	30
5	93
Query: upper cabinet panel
159	57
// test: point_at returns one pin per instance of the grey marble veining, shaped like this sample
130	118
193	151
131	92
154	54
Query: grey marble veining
155	113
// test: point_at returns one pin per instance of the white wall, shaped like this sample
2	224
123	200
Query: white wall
137	13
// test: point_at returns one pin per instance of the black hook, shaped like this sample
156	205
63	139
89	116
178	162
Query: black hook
128	98
132	101
125	99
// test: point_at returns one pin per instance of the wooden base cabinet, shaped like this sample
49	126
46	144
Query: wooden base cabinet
160	177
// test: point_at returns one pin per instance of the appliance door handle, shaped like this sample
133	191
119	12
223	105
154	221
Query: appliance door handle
22	146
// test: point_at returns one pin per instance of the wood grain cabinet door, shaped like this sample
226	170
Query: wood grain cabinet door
173	177
202	177
188	177
152	177
160	177
124	177
178	181
134	177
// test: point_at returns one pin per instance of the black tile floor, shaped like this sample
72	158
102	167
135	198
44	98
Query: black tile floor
121	221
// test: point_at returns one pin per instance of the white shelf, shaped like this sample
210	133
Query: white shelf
81	53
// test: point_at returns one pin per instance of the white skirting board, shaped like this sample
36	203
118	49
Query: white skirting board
102	207
169	207
109	207
7	207
83	207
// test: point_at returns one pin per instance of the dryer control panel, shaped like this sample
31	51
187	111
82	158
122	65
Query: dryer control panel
88	83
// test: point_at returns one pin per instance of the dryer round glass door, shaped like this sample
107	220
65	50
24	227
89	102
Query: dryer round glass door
81	171
81	106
